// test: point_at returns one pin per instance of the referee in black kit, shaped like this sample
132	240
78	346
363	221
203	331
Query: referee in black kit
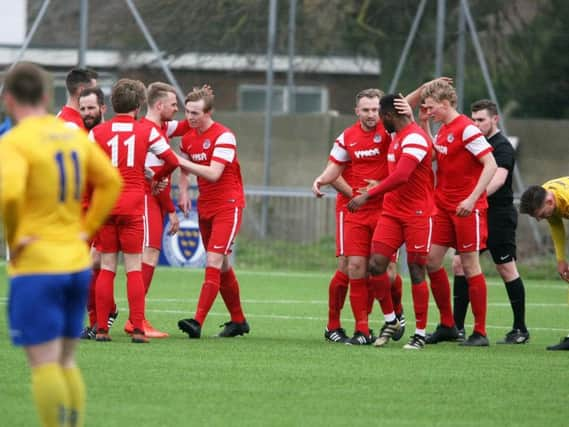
502	223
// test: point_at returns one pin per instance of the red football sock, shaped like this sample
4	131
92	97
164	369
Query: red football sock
477	293
337	291
396	294
209	291
440	287
358	301
147	273
420	303
229	290
135	295
91	301
371	294
104	290
383	292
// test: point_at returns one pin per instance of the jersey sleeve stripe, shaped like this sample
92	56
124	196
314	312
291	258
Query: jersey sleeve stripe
417	153
478	145
226	138
414	139
227	154
339	153
483	152
159	146
171	127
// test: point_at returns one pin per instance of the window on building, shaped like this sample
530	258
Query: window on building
304	99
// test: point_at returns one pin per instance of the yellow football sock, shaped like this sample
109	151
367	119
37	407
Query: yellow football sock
51	395
76	388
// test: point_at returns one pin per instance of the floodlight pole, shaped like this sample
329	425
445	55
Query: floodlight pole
154	47
291	47
407	47
268	112
440	43
460	54
490	87
83	32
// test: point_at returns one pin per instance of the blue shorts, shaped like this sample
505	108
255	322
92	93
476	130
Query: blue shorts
43	307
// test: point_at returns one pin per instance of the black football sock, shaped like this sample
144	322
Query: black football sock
517	296
460	300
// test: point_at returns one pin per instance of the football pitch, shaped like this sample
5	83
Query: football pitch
284	373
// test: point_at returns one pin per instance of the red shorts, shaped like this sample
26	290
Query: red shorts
340	232
219	231
122	233
153	222
359	229
464	233
392	232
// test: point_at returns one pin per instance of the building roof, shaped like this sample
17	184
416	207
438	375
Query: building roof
195	61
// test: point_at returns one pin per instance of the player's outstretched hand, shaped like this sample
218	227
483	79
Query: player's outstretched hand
17	249
370	183
316	188
184	204
356	202
563	270
159	186
403	107
174	223
465	207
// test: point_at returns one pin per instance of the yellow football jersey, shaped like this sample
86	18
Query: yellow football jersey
560	189
44	169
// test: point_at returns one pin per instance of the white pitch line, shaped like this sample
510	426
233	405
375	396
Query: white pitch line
3	300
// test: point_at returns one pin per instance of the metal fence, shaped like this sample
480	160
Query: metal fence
298	232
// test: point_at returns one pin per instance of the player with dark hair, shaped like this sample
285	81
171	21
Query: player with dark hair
408	206
364	146
92	109
550	201
126	142
44	167
502	223
465	167
77	79
212	152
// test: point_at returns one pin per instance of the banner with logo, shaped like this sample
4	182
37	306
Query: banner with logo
185	248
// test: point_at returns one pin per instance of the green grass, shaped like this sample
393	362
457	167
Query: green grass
284	374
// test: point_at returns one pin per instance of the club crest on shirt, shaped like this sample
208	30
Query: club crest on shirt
206	144
450	138
377	138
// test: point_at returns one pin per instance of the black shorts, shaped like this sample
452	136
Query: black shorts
502	224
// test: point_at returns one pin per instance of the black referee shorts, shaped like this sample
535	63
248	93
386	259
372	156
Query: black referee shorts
502	224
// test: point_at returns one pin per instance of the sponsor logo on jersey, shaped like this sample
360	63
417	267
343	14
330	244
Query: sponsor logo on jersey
377	138
199	157
206	144
185	248
450	138
360	154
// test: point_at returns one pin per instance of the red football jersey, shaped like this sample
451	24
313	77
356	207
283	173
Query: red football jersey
216	143
71	117
416	196
168	129
459	145
367	154
126	142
